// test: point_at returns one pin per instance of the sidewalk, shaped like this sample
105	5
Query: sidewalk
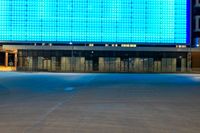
7	69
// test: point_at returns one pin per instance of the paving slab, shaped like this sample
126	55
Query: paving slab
99	103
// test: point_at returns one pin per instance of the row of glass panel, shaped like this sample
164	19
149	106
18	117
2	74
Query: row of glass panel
104	64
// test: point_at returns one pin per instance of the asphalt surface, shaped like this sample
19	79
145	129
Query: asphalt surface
99	103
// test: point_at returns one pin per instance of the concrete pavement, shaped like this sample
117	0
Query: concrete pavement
99	103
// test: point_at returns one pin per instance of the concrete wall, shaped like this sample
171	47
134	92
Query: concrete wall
196	61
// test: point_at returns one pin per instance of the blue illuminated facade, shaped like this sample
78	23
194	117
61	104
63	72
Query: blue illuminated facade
96	21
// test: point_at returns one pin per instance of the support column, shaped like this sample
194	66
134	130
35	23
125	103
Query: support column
15	60
6	59
189	62
20	60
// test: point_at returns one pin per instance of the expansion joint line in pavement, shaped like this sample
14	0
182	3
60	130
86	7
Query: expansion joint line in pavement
51	110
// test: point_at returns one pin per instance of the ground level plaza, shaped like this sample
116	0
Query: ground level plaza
99	103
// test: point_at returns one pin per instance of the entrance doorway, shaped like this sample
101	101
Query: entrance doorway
2	58
8	61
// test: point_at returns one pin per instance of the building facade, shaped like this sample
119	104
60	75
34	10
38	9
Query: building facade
196	35
97	36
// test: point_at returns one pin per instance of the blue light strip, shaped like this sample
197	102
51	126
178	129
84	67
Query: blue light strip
197	42
188	38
